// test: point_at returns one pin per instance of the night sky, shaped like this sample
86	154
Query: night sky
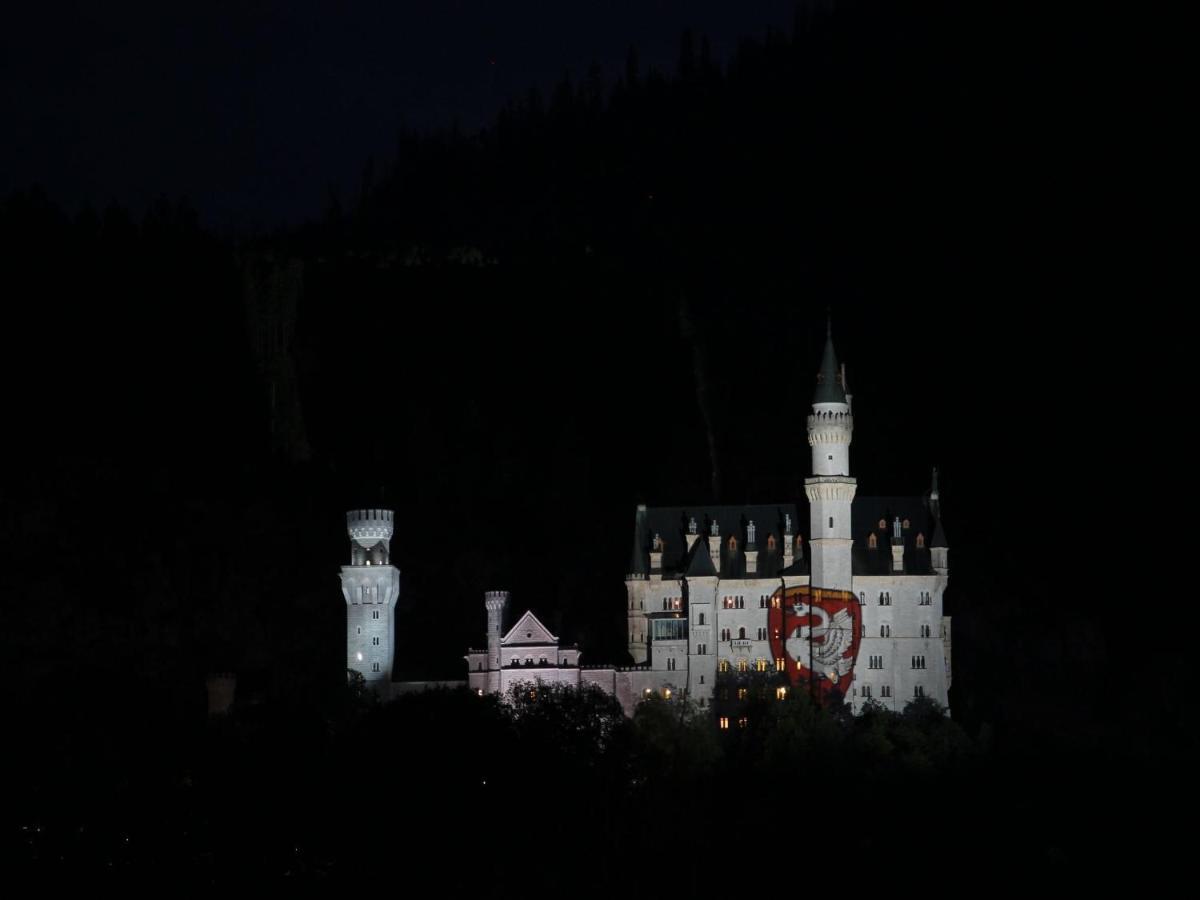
253	110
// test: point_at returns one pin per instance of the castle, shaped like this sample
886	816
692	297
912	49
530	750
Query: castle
723	600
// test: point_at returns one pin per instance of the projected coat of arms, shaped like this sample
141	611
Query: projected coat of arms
816	632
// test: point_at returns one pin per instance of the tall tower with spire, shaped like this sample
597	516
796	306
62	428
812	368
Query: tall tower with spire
370	585
830	489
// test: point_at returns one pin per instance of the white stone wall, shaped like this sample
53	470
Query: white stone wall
903	618
370	593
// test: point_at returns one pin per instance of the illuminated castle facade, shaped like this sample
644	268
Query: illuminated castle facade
722	600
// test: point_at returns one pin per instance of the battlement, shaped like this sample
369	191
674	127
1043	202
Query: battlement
367	527
495	597
830	427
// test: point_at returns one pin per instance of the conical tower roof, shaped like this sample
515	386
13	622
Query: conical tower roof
829	379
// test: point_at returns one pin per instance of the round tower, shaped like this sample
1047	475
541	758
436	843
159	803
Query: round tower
830	490
496	602
370	586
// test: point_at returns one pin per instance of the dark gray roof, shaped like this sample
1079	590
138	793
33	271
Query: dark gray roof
639	562
829	378
865	515
699	563
670	523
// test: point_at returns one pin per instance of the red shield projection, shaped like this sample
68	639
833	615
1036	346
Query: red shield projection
816	631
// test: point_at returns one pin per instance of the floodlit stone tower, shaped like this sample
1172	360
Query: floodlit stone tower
370	584
830	490
496	603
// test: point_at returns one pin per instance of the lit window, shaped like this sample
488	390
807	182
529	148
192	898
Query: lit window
741	693
479	692
743	722
781	693
872	542
774	603
743	665
724	723
780	665
358	656
760	665
723	666
666	693
920	542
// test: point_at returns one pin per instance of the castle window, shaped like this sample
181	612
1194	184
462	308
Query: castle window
920	542
728	602
741	634
882	525
733	543
762	601
360	629
375	641
741	602
885	630
886	690
743	722
918	691
374	614
701	622
677	603
701	649
358	656
925	631
762	634
780	665
374	667
702	682
872	541
866	691
781	693
723	666
724	634
770	542
724	723
774	603
831	521
760	665
664	603
743	664
904	524
741	693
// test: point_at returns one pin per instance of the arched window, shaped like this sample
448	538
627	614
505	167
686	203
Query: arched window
920	542
732	544
760	665
770	542
882	525
872	541
741	634
904	524
723	666
743	664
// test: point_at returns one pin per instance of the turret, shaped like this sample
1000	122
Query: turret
830	490
370	586
496	602
939	549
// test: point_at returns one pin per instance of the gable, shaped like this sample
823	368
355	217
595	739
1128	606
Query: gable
528	630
